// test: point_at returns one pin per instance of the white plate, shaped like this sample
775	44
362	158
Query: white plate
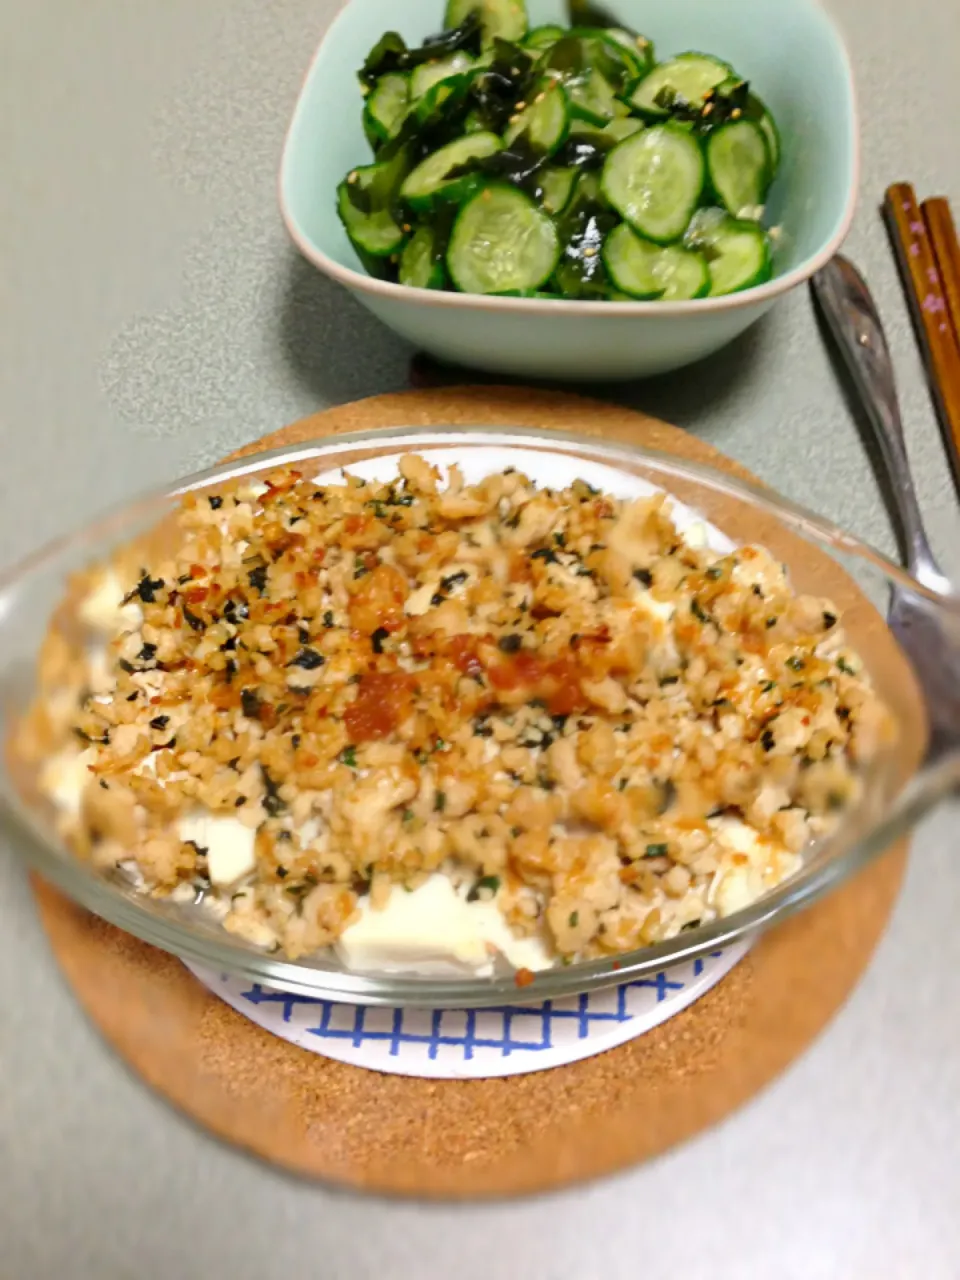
457	1044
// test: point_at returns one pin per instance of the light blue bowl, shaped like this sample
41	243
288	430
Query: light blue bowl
794	56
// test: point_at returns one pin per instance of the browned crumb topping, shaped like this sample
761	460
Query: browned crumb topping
549	693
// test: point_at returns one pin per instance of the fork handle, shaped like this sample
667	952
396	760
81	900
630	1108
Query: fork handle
852	317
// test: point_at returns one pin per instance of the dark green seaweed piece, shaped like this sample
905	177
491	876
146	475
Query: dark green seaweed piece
519	164
583	228
390	53
584	13
730	101
584	153
582	52
495	91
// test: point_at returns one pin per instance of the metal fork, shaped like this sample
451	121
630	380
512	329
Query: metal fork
928	633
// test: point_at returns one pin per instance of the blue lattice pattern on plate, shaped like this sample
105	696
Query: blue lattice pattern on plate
504	1040
522	1027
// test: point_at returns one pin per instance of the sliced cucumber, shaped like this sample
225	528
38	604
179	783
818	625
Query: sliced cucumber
738	165
705	226
501	19
620	57
690	76
737	253
436	180
556	188
621	65
605	137
595	71
365	203
430	73
421	263
440	101
501	241
545	121
386	108
622	128
543	37
654	180
753	108
639	47
592	98
771	133
376	232
643	269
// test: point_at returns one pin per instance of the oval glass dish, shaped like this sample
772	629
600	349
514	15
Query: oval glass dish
819	559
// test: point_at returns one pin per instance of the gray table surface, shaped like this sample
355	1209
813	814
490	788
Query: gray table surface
153	317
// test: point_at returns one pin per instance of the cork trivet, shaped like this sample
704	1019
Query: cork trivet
448	1139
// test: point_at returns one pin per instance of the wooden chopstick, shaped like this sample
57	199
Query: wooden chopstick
926	294
946	250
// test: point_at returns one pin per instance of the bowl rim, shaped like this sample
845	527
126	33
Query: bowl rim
33	839
758	295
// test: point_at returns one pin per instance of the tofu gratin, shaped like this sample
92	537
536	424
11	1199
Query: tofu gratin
524	725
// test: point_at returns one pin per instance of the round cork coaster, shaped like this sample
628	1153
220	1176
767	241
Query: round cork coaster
496	1137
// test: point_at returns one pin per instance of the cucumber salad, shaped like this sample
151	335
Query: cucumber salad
559	162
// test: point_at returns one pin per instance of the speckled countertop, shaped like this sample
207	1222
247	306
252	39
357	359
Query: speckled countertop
154	317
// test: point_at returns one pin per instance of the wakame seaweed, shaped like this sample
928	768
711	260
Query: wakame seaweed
583	13
390	53
721	106
583	228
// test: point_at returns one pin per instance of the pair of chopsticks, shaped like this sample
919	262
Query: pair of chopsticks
925	243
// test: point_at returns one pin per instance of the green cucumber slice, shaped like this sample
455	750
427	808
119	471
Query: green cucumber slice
431	183
654	180
771	133
376	233
500	19
753	109
421	263
622	128
440	101
607	137
365	202
556	188
430	73
737	253
592	98
386	108
501	242
595	70
545	121
738	165
639	47
543	37
690	76
705	226
643	269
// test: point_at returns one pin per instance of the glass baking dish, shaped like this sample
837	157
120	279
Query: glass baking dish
899	786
